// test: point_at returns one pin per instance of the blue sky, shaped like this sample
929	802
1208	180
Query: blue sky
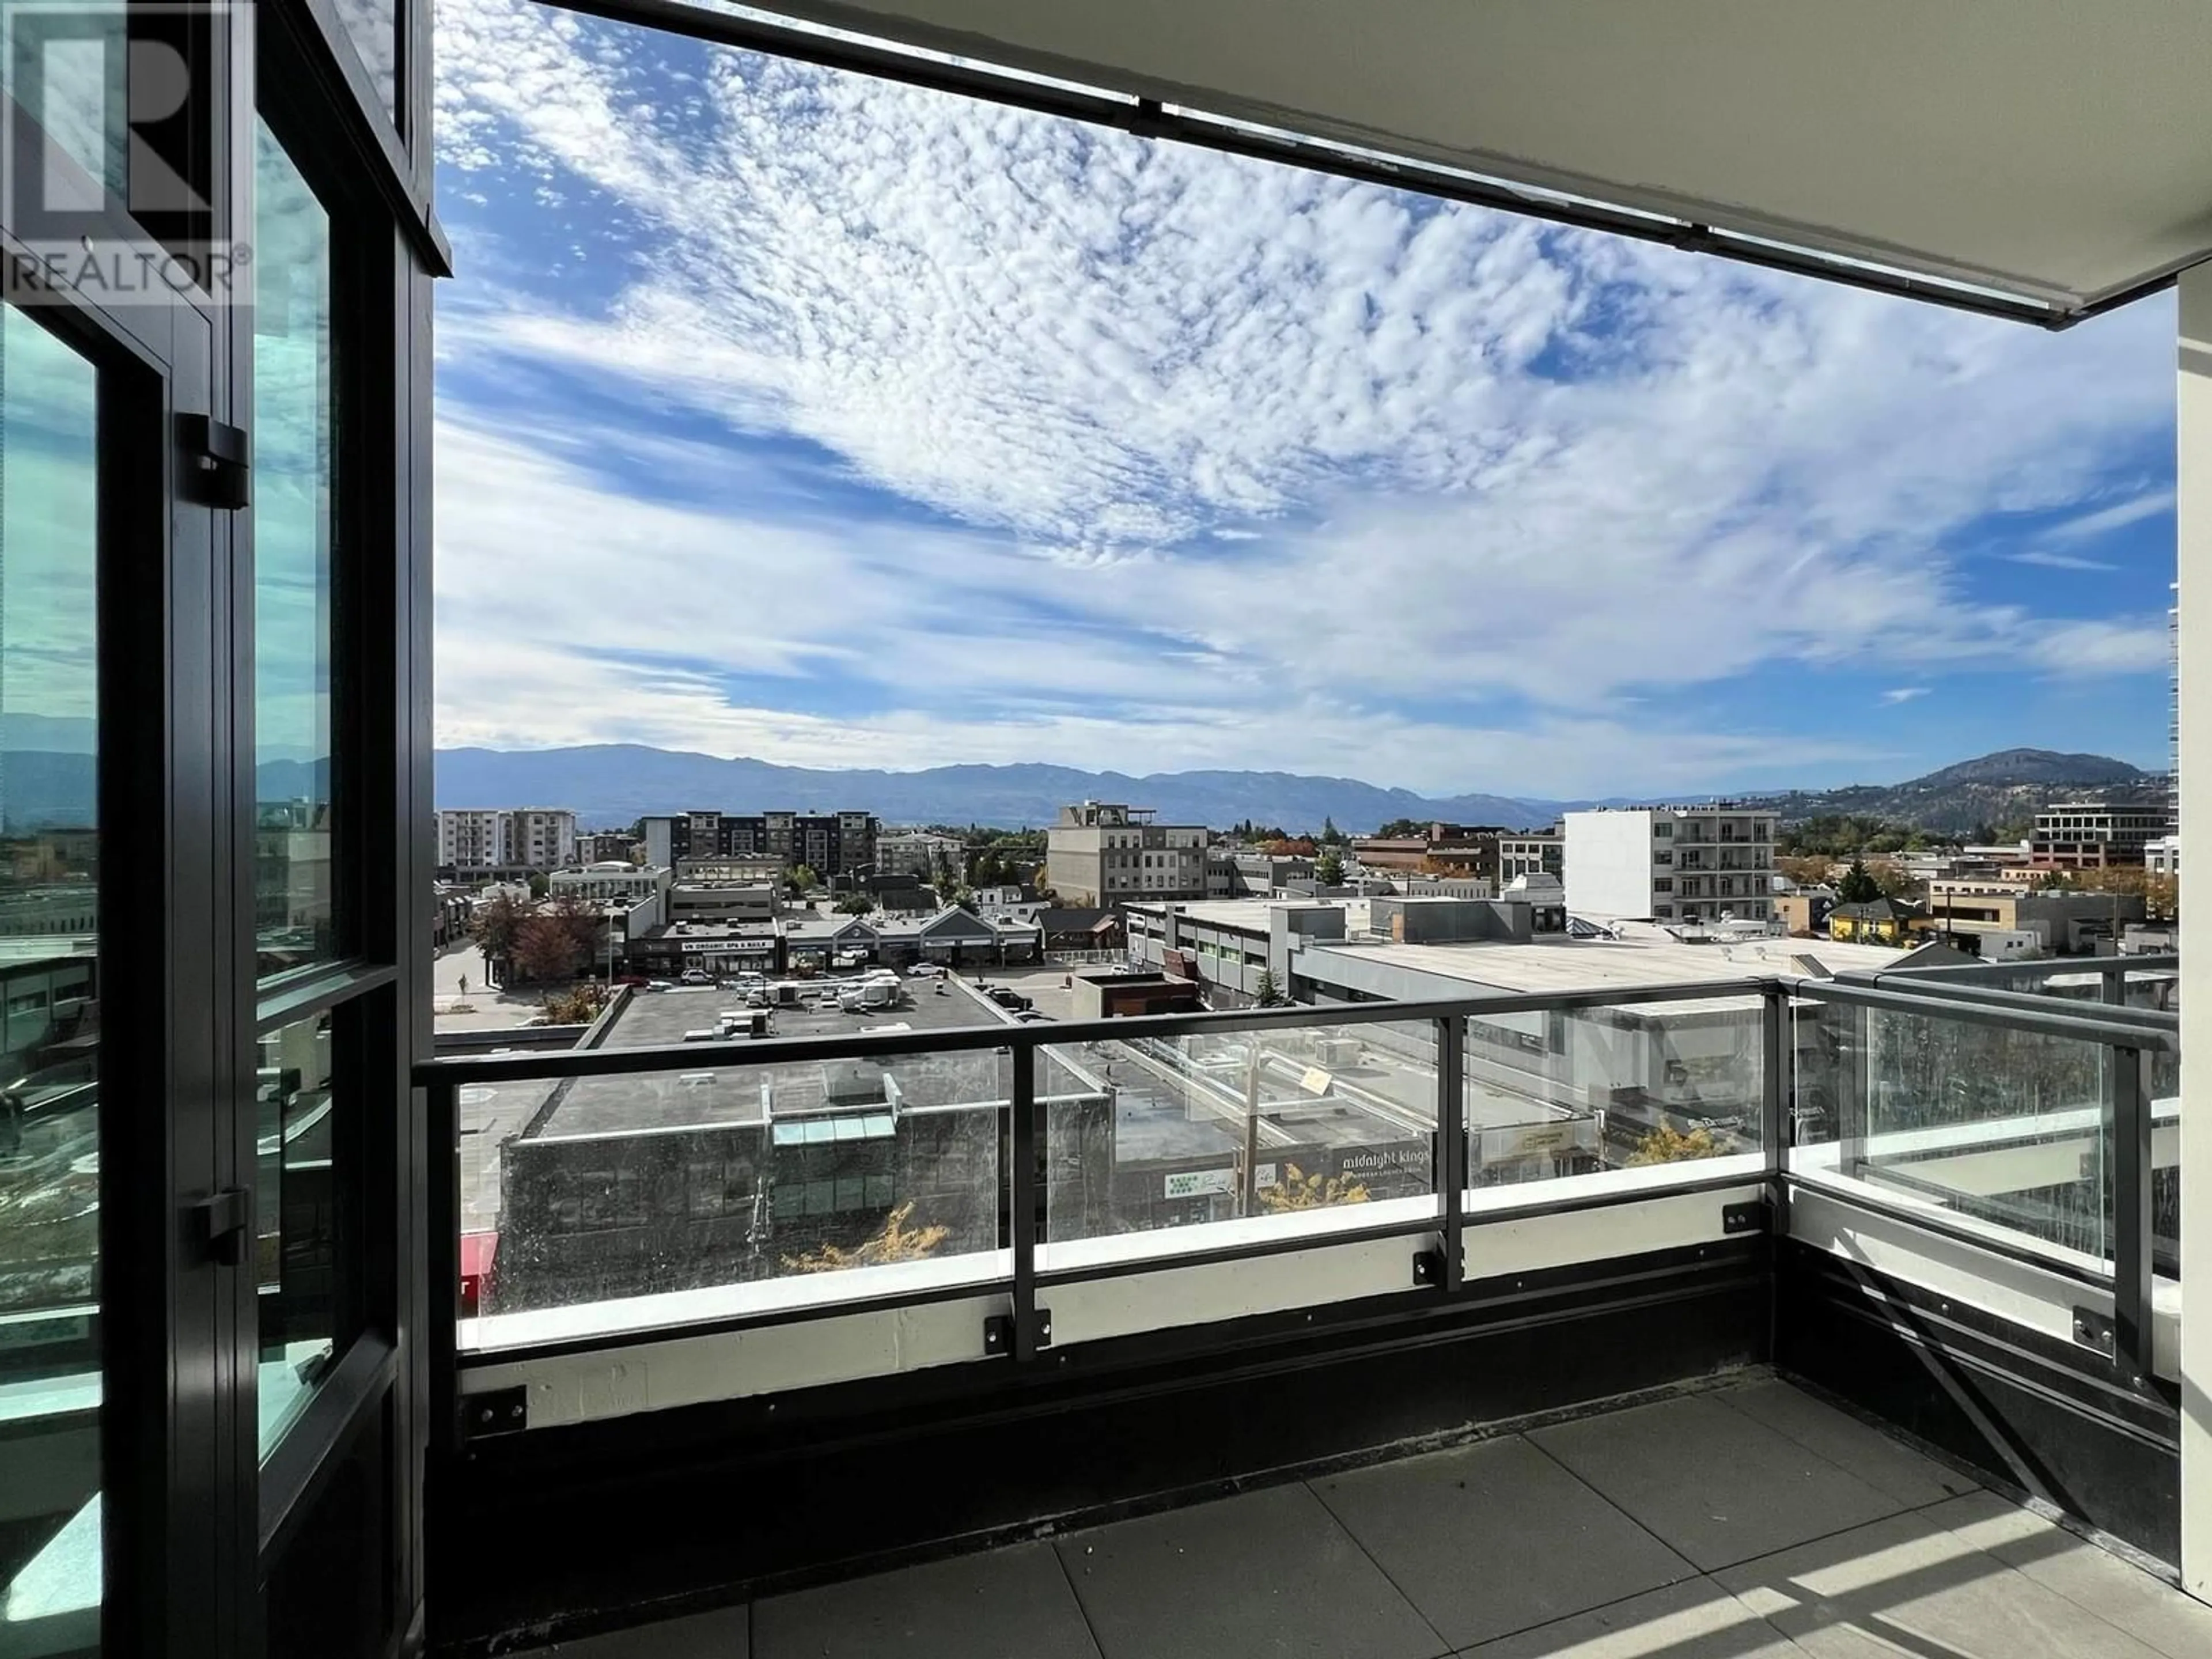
789	414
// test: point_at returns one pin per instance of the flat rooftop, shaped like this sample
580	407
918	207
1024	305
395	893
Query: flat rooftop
1557	963
616	1104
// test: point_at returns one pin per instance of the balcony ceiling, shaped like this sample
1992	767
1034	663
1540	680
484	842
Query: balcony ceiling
2056	153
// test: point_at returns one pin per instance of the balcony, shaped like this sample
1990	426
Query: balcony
1709	1318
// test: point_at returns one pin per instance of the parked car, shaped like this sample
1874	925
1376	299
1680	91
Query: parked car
636	982
925	970
696	976
1008	998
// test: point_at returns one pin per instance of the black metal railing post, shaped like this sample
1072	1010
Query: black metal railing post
441	1334
1451	1146
1032	1329
1777	1088
2128	1113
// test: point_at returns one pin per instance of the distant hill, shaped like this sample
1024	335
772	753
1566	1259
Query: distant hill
2007	786
611	784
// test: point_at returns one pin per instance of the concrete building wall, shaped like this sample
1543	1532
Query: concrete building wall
1607	863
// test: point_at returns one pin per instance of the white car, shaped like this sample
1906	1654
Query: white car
697	976
925	970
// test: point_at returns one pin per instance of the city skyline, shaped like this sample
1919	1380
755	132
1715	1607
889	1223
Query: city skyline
898	431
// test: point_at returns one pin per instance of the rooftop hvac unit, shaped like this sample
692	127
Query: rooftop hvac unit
1338	1052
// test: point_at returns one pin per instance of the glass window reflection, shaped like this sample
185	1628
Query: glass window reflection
296	921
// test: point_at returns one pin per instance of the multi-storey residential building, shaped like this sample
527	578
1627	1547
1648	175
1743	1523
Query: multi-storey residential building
507	838
1671	864
473	838
1536	853
542	837
2093	835
920	853
830	844
605	846
1105	853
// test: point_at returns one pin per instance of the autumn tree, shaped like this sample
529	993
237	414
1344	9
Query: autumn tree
1669	1145
494	924
896	1242
1297	1190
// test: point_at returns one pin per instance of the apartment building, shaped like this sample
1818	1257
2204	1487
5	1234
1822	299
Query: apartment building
1105	853
1533	853
506	838
473	838
1671	864
919	853
606	846
2094	835
542	837
830	844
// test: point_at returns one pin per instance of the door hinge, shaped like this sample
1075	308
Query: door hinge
222	1225
221	458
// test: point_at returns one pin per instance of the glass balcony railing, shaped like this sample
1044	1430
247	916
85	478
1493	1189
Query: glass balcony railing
708	1185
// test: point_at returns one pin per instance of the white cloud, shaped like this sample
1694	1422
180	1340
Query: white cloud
2148	505
1905	693
2050	561
1269	456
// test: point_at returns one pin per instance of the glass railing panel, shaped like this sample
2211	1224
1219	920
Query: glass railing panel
2001	1124
1554	1094
713	1189
1153	1133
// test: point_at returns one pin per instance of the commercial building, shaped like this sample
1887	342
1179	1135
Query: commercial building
829	843
1531	853
1671	864
2092	834
2162	856
633	899
2053	923
1455	849
1102	853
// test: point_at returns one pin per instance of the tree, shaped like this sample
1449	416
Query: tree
540	884
801	880
494	924
545	950
1330	835
1328	870
1891	878
857	904
1669	1145
2054	881
579	1006
1266	993
1857	886
1402	830
1297	1190
896	1242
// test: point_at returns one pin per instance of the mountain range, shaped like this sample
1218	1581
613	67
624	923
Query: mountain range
613	784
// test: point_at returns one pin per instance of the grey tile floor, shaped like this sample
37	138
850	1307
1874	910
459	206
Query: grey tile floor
1750	1521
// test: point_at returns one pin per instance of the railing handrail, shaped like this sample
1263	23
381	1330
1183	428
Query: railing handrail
2112	1027
2028	1002
1048	1034
2103	967
2044	1020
